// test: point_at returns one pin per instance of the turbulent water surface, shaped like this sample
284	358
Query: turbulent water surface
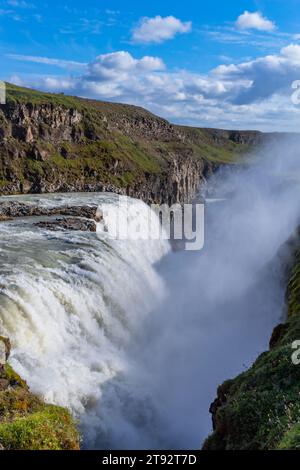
134	339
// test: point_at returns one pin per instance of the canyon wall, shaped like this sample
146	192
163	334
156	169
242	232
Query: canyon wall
55	143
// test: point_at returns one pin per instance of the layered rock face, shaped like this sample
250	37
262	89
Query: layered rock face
29	123
53	143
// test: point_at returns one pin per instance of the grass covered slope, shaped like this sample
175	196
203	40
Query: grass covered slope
27	423
260	409
52	142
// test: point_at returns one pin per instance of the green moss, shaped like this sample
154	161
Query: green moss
222	155
291	439
293	292
34	168
16	94
222	150
13	377
118	161
27	423
49	429
3	183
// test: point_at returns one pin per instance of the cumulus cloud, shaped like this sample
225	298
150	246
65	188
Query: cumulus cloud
252	94
267	75
158	29
254	21
120	66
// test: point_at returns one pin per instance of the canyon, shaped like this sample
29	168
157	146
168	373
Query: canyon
55	143
52	144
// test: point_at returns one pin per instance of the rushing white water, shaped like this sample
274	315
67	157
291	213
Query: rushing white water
71	302
134	348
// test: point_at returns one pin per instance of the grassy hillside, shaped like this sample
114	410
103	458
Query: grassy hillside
221	149
51	142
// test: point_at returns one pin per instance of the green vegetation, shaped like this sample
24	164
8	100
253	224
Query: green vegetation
260	409
20	95
219	146
27	423
293	293
48	429
291	439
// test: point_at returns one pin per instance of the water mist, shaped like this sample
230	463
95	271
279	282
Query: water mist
134	339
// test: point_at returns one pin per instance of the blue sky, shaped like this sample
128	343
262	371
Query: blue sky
208	63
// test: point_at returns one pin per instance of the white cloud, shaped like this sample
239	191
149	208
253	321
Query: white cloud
47	61
257	39
121	65
158	29
111	12
19	4
268	75
254	21
5	12
252	94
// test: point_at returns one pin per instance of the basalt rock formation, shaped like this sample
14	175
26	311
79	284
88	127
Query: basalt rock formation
260	409
14	209
56	143
68	223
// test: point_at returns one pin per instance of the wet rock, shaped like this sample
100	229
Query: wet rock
4	218
15	209
83	225
4	384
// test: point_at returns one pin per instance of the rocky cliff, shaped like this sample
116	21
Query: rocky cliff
55	143
260	409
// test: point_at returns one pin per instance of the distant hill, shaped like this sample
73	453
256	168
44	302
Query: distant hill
52	142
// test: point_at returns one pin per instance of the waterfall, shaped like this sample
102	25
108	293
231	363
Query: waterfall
71	302
134	342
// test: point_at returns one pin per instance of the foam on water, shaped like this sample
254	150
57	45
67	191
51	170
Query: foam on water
71	302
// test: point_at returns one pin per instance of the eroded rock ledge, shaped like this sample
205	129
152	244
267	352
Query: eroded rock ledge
71	223
16	209
81	218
